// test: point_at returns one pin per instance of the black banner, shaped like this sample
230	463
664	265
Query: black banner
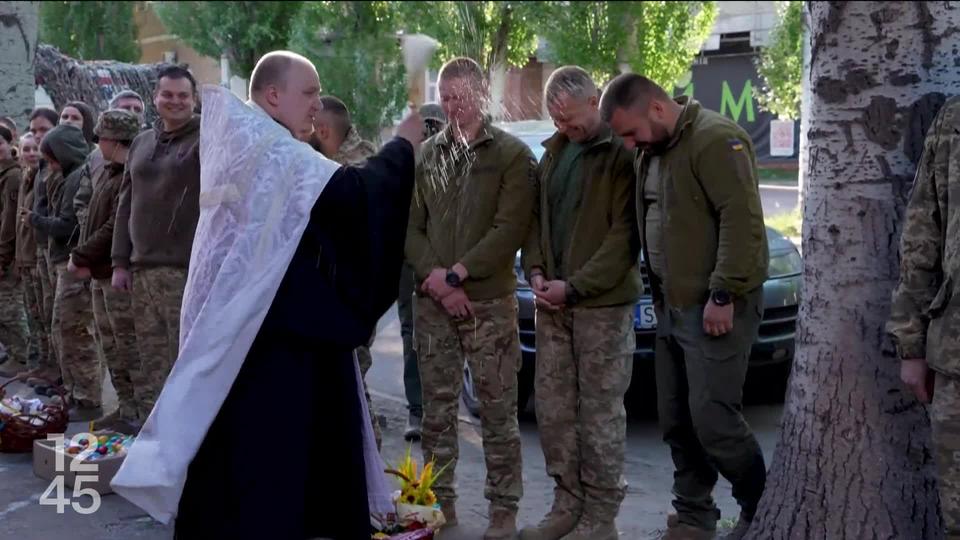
727	84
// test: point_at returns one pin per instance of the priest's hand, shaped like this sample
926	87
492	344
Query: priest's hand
411	128
436	285
122	281
458	305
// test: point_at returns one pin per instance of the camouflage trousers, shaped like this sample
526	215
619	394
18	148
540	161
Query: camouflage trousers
47	278
157	296
73	334
13	321
489	343
365	359
113	315
699	401
945	424
36	322
584	364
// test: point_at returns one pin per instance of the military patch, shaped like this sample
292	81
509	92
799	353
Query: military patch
736	145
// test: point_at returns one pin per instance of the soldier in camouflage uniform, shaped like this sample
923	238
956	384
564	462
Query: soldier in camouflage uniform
705	248
925	315
473	201
40	359
13	325
581	260
157	215
337	138
65	150
112	309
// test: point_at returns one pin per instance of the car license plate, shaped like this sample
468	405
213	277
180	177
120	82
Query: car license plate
646	317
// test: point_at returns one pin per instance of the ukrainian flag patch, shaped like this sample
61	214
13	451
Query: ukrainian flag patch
735	145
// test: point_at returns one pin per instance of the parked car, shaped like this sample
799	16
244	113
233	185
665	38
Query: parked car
772	352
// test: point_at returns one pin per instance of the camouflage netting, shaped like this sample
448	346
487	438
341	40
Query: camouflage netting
67	79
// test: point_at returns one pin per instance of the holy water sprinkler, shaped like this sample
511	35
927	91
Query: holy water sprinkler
417	51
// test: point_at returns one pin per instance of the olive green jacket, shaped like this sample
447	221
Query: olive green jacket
925	314
472	205
601	258
712	219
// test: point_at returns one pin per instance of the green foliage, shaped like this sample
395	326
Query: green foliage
789	224
781	63
245	31
656	39
357	54
492	33
90	30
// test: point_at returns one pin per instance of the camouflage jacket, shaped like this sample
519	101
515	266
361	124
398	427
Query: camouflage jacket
925	315
354	150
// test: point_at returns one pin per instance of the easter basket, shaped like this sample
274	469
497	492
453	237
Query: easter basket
18	430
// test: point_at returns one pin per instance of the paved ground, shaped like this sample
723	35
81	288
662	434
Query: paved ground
648	471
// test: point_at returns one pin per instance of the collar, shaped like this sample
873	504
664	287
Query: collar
558	141
691	108
447	138
257	108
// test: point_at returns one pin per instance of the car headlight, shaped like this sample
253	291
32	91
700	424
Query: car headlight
784	263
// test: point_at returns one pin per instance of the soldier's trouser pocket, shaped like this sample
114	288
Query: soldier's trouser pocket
945	424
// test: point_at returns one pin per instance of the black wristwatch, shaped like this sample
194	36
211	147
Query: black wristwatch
720	297
453	279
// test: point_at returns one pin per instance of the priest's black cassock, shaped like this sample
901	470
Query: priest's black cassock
284	457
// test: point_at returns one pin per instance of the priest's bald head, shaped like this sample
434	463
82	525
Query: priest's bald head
287	87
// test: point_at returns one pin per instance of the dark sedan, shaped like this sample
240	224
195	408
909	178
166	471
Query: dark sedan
772	351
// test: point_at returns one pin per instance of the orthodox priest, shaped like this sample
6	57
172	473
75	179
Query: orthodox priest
294	261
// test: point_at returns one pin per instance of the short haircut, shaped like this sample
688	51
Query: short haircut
572	81
628	90
173	71
9	122
89	121
47	113
6	134
336	108
272	69
126	94
461	67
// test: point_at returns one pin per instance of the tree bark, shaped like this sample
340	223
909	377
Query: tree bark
18	44
853	460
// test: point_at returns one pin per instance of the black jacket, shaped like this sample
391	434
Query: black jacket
345	273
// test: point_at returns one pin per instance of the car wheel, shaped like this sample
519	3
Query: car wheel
471	399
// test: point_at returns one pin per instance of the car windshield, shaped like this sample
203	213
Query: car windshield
533	141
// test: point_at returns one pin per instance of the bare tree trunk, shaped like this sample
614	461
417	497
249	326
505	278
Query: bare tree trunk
853	460
18	45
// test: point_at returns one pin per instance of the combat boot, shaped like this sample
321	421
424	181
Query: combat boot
553	526
589	528
412	432
449	509
503	524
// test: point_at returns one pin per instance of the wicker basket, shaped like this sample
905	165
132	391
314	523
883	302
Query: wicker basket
18	431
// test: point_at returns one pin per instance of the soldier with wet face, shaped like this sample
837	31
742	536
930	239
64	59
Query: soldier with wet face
471	210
